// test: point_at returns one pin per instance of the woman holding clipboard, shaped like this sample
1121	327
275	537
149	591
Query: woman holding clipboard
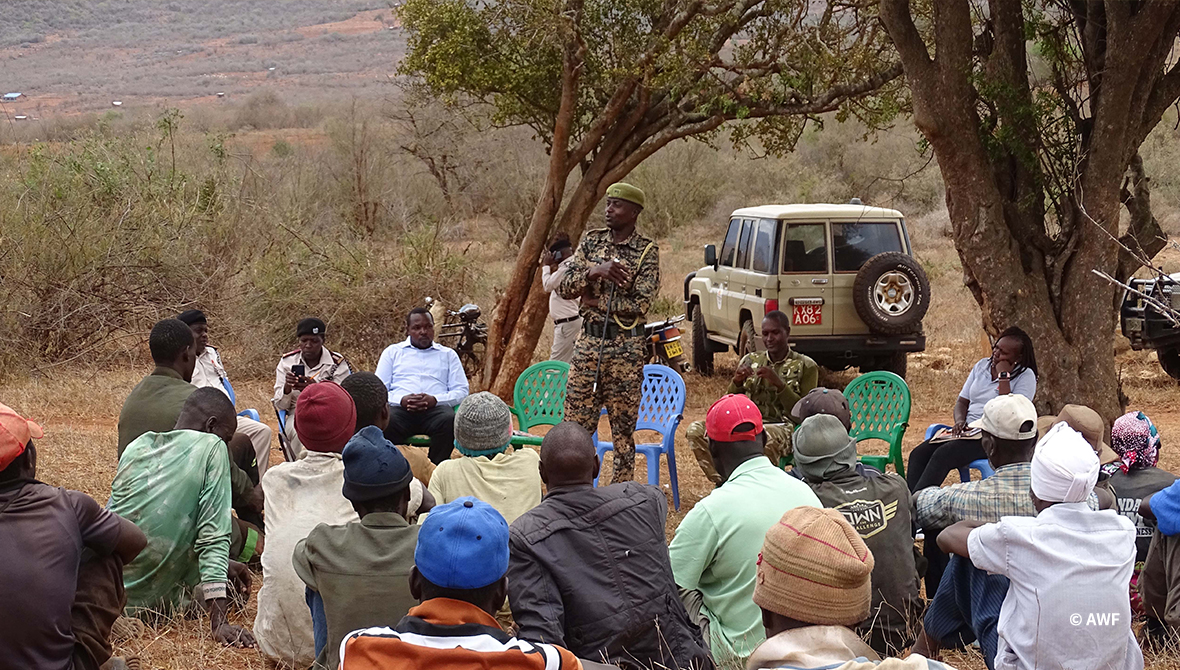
1012	368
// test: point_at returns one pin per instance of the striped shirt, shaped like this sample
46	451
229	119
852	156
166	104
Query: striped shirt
1005	493
445	634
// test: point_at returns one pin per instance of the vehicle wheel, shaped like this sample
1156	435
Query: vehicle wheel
891	293
746	339
1170	361
702	355
895	363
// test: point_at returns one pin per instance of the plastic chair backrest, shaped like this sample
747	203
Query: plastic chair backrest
661	401
230	390
539	394
880	402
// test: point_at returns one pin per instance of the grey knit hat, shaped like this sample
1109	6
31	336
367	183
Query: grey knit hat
483	425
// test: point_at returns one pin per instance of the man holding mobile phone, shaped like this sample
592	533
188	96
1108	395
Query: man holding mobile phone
567	321
312	362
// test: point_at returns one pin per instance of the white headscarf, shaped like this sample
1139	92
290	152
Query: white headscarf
1064	466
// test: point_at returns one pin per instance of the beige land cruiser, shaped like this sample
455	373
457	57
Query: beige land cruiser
845	274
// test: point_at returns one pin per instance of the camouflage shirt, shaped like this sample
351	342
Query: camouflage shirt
799	372
632	299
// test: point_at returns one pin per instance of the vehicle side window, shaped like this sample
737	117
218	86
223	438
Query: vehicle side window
805	248
729	247
764	246
855	243
743	252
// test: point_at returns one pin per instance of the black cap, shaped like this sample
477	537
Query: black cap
311	326
191	317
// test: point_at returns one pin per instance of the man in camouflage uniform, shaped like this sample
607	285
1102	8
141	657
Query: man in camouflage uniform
615	256
774	380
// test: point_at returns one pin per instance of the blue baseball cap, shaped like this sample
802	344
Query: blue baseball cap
463	545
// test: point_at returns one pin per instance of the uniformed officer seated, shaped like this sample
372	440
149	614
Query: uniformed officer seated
209	371
312	362
426	382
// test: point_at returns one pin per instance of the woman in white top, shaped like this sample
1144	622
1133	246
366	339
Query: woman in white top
1012	368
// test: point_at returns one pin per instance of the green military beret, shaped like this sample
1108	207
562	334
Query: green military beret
626	192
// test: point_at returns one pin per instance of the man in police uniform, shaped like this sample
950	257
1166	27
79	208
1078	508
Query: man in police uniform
616	256
319	365
210	372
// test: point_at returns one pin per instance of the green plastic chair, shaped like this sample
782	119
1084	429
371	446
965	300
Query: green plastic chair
880	405
538	398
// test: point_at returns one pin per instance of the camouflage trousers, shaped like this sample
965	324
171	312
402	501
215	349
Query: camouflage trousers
619	384
778	444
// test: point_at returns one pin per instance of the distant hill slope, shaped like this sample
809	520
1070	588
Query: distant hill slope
77	55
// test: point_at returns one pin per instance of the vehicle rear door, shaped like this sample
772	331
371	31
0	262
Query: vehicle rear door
853	243
716	306
762	279
805	281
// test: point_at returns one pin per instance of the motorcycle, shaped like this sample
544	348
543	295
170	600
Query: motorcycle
462	331
663	344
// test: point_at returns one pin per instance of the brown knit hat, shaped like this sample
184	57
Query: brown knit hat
815	568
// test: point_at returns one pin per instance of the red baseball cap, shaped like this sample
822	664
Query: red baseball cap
730	412
15	433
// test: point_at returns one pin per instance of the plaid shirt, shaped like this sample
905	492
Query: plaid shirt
1003	494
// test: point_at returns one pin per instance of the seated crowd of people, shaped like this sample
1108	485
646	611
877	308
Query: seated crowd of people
377	554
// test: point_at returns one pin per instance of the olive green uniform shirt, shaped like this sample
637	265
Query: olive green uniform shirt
362	571
799	372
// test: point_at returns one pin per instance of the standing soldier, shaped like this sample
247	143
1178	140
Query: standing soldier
310	363
616	273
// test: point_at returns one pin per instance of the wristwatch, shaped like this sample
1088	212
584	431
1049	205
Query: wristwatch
1004	375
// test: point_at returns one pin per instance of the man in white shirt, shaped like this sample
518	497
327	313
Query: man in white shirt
210	372
1068	567
425	382
312	362
567	321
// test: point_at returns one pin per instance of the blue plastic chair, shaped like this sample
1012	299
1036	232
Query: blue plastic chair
983	465
233	398
661	407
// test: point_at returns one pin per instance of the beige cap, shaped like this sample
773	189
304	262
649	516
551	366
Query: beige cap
1085	421
1009	417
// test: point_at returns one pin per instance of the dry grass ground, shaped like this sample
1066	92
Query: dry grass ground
79	407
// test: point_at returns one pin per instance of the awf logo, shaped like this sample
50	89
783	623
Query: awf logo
1095	619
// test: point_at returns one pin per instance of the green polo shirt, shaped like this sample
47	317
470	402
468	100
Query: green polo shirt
153	405
362	571
716	549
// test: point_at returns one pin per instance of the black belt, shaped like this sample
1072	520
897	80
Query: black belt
567	319
612	330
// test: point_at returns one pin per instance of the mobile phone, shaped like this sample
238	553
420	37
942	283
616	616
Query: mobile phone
298	370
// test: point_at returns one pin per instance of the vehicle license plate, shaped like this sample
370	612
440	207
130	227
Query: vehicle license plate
807	315
673	349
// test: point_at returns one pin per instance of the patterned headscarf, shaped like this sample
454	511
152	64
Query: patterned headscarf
1137	442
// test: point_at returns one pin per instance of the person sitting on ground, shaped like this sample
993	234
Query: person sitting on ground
1159	580
1134	477
965	601
822	400
566	315
209	372
1012	368
1066	605
299	496
491	469
63	557
714	551
360	570
372	409
175	486
459	578
775	380
425	382
814	590
881	510
566	602
155	402
1090	424
312	362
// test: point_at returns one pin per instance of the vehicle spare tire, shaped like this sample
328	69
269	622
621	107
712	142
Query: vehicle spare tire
891	293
